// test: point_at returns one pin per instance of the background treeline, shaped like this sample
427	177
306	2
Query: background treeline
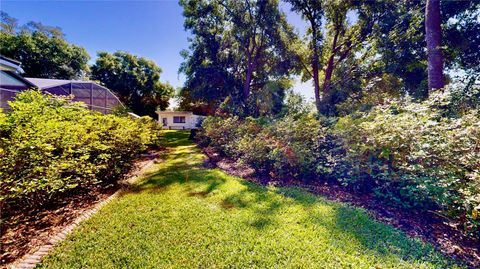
45	53
50	145
244	55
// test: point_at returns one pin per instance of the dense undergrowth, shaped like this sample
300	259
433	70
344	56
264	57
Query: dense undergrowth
50	145
415	155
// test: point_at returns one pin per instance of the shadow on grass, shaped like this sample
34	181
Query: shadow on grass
174	138
183	165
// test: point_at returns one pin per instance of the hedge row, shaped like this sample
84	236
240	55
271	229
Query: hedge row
407	153
49	145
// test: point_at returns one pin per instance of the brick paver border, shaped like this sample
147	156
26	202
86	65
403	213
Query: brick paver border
30	260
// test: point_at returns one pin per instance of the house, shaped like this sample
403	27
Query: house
7	64
95	96
11	82
179	119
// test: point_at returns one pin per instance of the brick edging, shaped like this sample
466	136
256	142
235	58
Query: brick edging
29	261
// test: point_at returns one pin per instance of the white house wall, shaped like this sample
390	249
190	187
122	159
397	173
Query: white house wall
190	121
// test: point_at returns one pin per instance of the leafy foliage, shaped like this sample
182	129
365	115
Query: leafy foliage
239	55
49	145
368	40
410	154
9	24
135	79
288	147
42	49
44	56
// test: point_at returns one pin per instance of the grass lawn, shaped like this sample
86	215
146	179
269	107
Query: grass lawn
186	216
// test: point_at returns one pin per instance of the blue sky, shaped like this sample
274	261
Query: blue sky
152	29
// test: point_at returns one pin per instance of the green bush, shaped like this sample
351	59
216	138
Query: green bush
49	145
290	146
412	154
307	144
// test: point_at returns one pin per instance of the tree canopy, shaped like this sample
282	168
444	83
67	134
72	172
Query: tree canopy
42	49
44	53
239	56
239	51
135	79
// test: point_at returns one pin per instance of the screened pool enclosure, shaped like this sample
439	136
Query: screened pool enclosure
95	96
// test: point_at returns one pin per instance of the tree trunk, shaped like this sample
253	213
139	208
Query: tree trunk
328	75
248	81
316	85
315	68
325	107
433	32
250	66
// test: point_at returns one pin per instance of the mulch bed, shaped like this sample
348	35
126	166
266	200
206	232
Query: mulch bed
445	234
23	231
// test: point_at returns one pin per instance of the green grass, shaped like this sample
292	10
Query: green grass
186	216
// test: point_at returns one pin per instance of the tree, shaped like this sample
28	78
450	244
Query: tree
42	50
35	27
433	34
362	41
135	79
461	37
208	82
238	49
339	42
9	24
311	10
401	41
45	57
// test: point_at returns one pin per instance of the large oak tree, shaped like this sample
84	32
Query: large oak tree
239	54
42	50
135	79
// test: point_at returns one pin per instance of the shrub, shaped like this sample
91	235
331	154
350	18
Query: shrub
49	145
412	155
306	146
219	132
291	146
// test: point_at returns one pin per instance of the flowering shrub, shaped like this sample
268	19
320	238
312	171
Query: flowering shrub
50	145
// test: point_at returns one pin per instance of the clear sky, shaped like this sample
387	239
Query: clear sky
152	29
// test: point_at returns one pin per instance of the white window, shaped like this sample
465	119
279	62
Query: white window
178	119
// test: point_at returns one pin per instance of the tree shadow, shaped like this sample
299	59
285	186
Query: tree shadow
262	204
174	138
341	221
267	206
348	223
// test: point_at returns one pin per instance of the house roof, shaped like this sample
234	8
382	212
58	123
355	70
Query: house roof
12	61
173	112
16	76
47	83
10	64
